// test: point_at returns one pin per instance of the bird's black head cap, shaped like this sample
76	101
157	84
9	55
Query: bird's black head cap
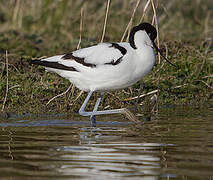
152	33
150	30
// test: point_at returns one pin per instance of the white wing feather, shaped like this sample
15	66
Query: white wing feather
99	54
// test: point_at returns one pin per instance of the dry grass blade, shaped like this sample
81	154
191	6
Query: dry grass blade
153	92
206	30
81	27
142	95
209	76
79	43
144	10
7	82
105	21
155	108
16	10
130	115
80	93
179	86
59	95
205	83
130	21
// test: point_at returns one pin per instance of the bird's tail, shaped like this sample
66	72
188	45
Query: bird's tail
47	63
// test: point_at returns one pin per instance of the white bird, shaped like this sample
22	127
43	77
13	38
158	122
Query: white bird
107	66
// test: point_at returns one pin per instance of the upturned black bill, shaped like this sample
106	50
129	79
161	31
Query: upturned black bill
158	50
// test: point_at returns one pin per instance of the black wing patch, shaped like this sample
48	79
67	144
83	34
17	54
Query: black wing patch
77	59
121	49
115	62
54	65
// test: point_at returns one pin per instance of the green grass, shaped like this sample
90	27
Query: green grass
31	29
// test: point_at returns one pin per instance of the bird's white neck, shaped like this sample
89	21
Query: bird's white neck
145	52
141	39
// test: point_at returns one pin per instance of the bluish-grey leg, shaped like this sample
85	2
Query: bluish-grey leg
83	106
93	116
95	112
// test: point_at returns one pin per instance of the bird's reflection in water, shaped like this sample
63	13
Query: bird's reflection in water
108	152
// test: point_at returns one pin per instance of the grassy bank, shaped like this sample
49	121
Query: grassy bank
31	29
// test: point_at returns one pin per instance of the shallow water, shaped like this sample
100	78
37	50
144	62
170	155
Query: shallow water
176	144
